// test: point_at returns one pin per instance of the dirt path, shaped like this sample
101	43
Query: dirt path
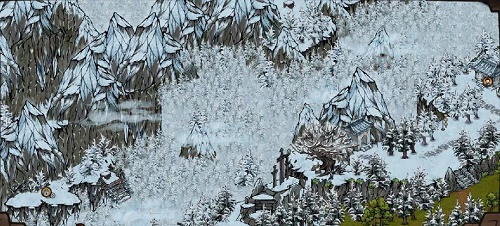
462	197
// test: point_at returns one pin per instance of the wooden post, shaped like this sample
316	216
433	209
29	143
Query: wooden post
280	160
274	175
287	164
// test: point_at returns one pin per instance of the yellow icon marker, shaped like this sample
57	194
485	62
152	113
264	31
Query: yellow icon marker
487	81
46	192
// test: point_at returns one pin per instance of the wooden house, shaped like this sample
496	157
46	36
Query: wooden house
486	67
114	186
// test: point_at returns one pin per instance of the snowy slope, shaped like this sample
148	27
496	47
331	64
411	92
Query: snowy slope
149	47
359	100
9	71
35	136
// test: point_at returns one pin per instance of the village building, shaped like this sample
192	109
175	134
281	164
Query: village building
486	67
360	131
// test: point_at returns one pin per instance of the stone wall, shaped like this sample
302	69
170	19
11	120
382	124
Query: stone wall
454	178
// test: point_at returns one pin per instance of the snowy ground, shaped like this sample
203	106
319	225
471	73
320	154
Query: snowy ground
242	116
435	164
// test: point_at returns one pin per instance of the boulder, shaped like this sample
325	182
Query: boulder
451	179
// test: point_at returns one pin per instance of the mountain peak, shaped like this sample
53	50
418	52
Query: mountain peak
152	18
306	118
117	20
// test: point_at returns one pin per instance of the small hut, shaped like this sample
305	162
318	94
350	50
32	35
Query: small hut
359	131
486	67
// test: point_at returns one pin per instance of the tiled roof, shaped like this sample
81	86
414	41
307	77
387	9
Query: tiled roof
359	126
487	66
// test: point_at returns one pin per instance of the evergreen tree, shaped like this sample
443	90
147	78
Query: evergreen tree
333	211
473	210
280	216
439	217
456	217
248	170
420	193
357	166
354	202
265	218
224	204
486	46
189	217
390	140
404	203
429	219
489	138
442	188
464	150
376	173
310	205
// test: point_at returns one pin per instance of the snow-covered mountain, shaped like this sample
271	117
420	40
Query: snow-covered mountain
380	45
9	70
35	136
306	118
117	38
149	51
197	144
361	99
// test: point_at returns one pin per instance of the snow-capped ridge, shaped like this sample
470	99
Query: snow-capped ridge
118	20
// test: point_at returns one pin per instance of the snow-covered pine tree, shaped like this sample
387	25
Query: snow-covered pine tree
477	101
455	107
486	46
467	107
336	8
334	212
224	204
189	218
423	125
463	144
429	219
404	203
439	217
354	202
390	140
442	188
36	184
473	210
456	217
280	215
357	166
419	190
248	170
205	212
406	139
376	173
310	205
265	218
489	138
391	201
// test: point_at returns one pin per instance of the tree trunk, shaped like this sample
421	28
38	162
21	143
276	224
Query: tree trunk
424	140
476	114
432	136
412	147
468	119
391	150
405	220
405	154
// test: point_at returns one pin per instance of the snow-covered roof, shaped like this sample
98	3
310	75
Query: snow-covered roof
487	66
263	197
35	199
112	178
359	126
291	181
247	205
